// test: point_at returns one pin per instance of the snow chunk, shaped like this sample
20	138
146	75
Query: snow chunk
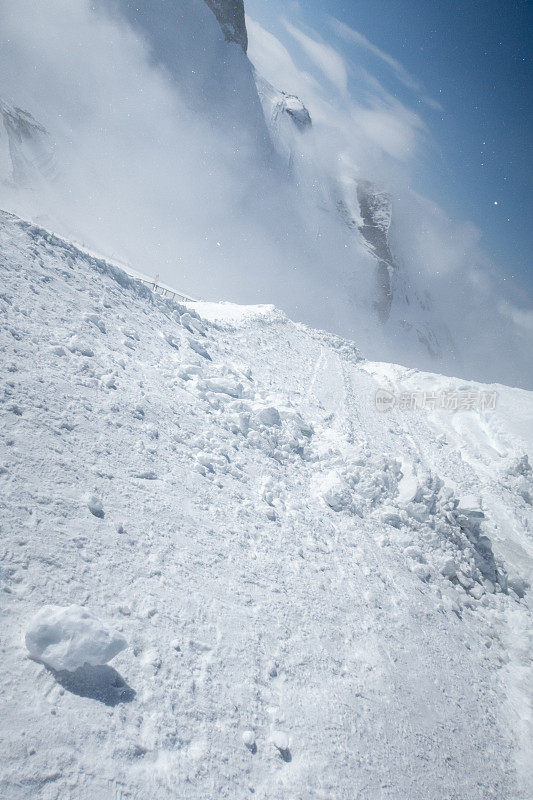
198	348
280	740
519	466
421	571
449	568
76	345
248	740
65	638
335	492
415	553
268	416
94	504
192	324
391	516
222	386
95	320
186	371
470	506
147	475
130	333
477	591
172	341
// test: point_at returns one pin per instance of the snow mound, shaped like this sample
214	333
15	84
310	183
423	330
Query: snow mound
65	638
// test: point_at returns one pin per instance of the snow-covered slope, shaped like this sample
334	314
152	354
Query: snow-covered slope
320	599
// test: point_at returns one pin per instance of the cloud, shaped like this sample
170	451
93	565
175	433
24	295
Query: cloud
432	103
169	171
142	174
522	318
377	120
274	62
391	126
328	60
349	34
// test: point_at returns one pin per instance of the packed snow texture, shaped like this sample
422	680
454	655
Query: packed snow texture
68	638
321	600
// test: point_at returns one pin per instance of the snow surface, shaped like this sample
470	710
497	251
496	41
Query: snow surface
321	600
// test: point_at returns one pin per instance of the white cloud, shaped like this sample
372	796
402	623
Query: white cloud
328	60
522	317
274	62
375	122
349	34
391	126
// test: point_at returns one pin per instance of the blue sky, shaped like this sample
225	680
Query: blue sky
470	57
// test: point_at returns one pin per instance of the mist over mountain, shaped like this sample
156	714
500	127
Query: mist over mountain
146	131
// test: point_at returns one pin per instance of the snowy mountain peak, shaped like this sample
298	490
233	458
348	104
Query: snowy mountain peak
279	107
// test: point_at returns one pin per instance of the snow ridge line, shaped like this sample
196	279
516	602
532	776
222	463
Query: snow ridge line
165	290
143	287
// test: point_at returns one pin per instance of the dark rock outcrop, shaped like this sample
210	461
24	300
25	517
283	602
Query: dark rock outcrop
30	150
230	15
294	108
375	209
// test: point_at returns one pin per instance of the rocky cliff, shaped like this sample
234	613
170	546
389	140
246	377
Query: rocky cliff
230	14
26	150
375	209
